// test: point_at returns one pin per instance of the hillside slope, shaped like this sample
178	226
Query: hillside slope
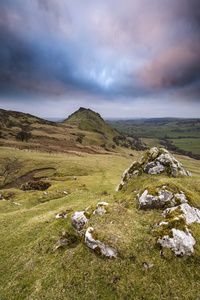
30	229
88	120
83	132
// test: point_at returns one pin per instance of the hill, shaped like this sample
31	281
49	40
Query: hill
83	132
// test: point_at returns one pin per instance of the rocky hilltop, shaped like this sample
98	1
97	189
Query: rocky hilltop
173	231
154	161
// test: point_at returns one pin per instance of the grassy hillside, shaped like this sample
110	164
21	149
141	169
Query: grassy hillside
179	135
83	132
29	269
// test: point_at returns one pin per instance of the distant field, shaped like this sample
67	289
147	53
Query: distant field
182	133
188	144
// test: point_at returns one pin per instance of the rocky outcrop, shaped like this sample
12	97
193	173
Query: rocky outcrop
78	220
154	161
97	246
161	198
173	231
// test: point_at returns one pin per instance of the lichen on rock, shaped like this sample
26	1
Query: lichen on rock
154	161
160	198
181	243
191	214
173	231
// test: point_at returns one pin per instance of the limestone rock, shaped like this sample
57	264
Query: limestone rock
101	208
179	238
63	215
154	161
97	246
162	198
78	220
181	243
191	214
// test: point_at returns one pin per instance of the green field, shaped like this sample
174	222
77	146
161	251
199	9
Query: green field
29	269
182	133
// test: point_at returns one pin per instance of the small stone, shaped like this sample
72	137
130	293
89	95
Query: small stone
101	208
78	220
62	243
97	246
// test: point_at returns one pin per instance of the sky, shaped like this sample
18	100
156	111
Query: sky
122	59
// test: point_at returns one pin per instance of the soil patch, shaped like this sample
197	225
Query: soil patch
27	177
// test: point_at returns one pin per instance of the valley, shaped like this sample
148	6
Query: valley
179	135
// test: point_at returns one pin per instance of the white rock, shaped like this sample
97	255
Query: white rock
191	214
78	220
150	201
93	244
58	216
156	169
100	208
181	244
181	197
16	203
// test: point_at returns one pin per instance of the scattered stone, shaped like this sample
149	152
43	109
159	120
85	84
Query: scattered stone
97	246
181	243
74	178
35	185
154	161
78	220
16	203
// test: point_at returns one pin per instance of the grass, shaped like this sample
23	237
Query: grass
192	144
29	270
184	133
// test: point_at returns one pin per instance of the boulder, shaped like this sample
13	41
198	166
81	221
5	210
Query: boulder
78	220
97	246
181	243
154	161
161	198
191	214
173	231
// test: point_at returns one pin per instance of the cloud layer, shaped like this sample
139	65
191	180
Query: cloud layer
100	51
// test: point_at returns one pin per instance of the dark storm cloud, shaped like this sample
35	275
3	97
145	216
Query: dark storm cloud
102	48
